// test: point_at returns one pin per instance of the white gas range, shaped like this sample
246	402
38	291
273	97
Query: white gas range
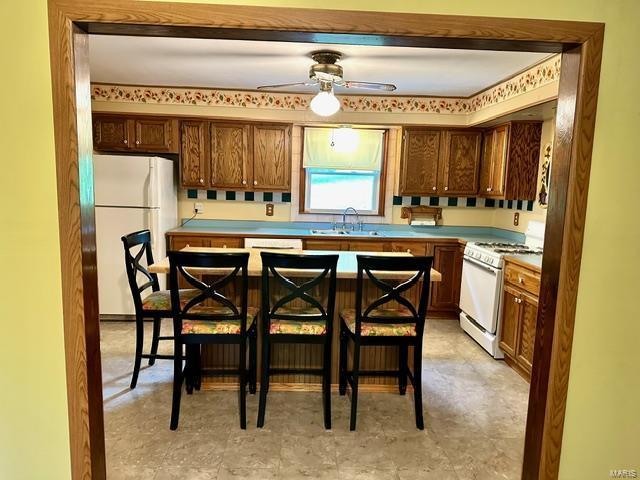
481	290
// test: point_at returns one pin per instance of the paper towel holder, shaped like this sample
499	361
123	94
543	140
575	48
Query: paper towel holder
421	212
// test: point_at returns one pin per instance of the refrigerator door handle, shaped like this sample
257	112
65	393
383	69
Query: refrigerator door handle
154	184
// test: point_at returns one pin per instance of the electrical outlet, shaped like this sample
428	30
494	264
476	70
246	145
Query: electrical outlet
516	219
269	210
198	208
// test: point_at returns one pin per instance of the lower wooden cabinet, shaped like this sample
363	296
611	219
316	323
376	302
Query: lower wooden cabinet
325	245
178	242
445	295
519	317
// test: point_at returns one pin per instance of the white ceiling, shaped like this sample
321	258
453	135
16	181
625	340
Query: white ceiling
244	65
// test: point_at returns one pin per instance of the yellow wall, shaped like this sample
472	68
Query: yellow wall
33	404
602	425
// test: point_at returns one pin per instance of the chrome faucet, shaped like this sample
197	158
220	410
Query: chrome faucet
353	224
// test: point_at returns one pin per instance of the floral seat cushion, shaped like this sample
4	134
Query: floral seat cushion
161	300
297	327
218	327
369	329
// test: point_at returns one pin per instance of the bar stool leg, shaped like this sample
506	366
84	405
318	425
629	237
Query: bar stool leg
138	357
177	385
242	377
417	384
253	363
342	388
264	381
403	356
326	383
354	386
154	339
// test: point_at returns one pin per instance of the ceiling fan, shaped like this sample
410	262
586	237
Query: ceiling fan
326	73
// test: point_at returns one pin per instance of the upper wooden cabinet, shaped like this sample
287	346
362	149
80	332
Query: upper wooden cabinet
229	155
118	133
440	162
271	157
194	159
235	155
510	159
420	156
460	162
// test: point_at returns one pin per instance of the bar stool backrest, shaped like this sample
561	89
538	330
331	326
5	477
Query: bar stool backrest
209	304
417	268
134	267
302	273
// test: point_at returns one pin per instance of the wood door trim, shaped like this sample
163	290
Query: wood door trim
581	43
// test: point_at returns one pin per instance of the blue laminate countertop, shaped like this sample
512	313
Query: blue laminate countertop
303	230
534	261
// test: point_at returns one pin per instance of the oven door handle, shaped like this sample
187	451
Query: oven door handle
481	265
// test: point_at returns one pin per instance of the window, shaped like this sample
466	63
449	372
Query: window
343	168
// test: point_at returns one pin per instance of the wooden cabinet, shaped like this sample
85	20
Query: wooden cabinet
445	295
414	248
118	133
178	242
193	154
366	246
440	162
519	317
325	245
271	157
419	164
154	135
460	163
229	155
110	133
510	160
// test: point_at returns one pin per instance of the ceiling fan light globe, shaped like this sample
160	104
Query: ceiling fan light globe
325	104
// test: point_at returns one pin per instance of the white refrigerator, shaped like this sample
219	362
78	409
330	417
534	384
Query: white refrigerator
131	193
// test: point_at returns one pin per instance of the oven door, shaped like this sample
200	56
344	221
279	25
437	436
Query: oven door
480	293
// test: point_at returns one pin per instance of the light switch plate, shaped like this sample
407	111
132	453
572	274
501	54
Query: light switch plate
198	208
516	219
269	210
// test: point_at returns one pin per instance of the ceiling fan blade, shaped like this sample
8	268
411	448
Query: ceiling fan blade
287	85
387	87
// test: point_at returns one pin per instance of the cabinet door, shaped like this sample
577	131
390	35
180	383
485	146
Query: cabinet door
510	321
229	155
499	163
414	248
445	295
334	245
527	331
226	242
419	165
154	135
523	160
486	163
460	163
193	154
271	157
111	133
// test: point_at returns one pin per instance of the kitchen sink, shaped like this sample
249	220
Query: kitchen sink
350	233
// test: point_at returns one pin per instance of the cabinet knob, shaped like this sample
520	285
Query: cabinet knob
202	180
125	141
488	189
520	280
255	182
408	250
244	182
137	142
446	188
434	189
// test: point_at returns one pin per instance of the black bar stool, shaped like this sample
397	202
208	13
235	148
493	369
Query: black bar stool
308	321
398	324
210	317
155	306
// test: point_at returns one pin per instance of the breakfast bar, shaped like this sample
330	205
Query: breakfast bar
216	357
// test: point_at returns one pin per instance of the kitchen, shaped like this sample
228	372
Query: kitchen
462	179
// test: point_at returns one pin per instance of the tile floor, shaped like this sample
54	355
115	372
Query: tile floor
475	412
